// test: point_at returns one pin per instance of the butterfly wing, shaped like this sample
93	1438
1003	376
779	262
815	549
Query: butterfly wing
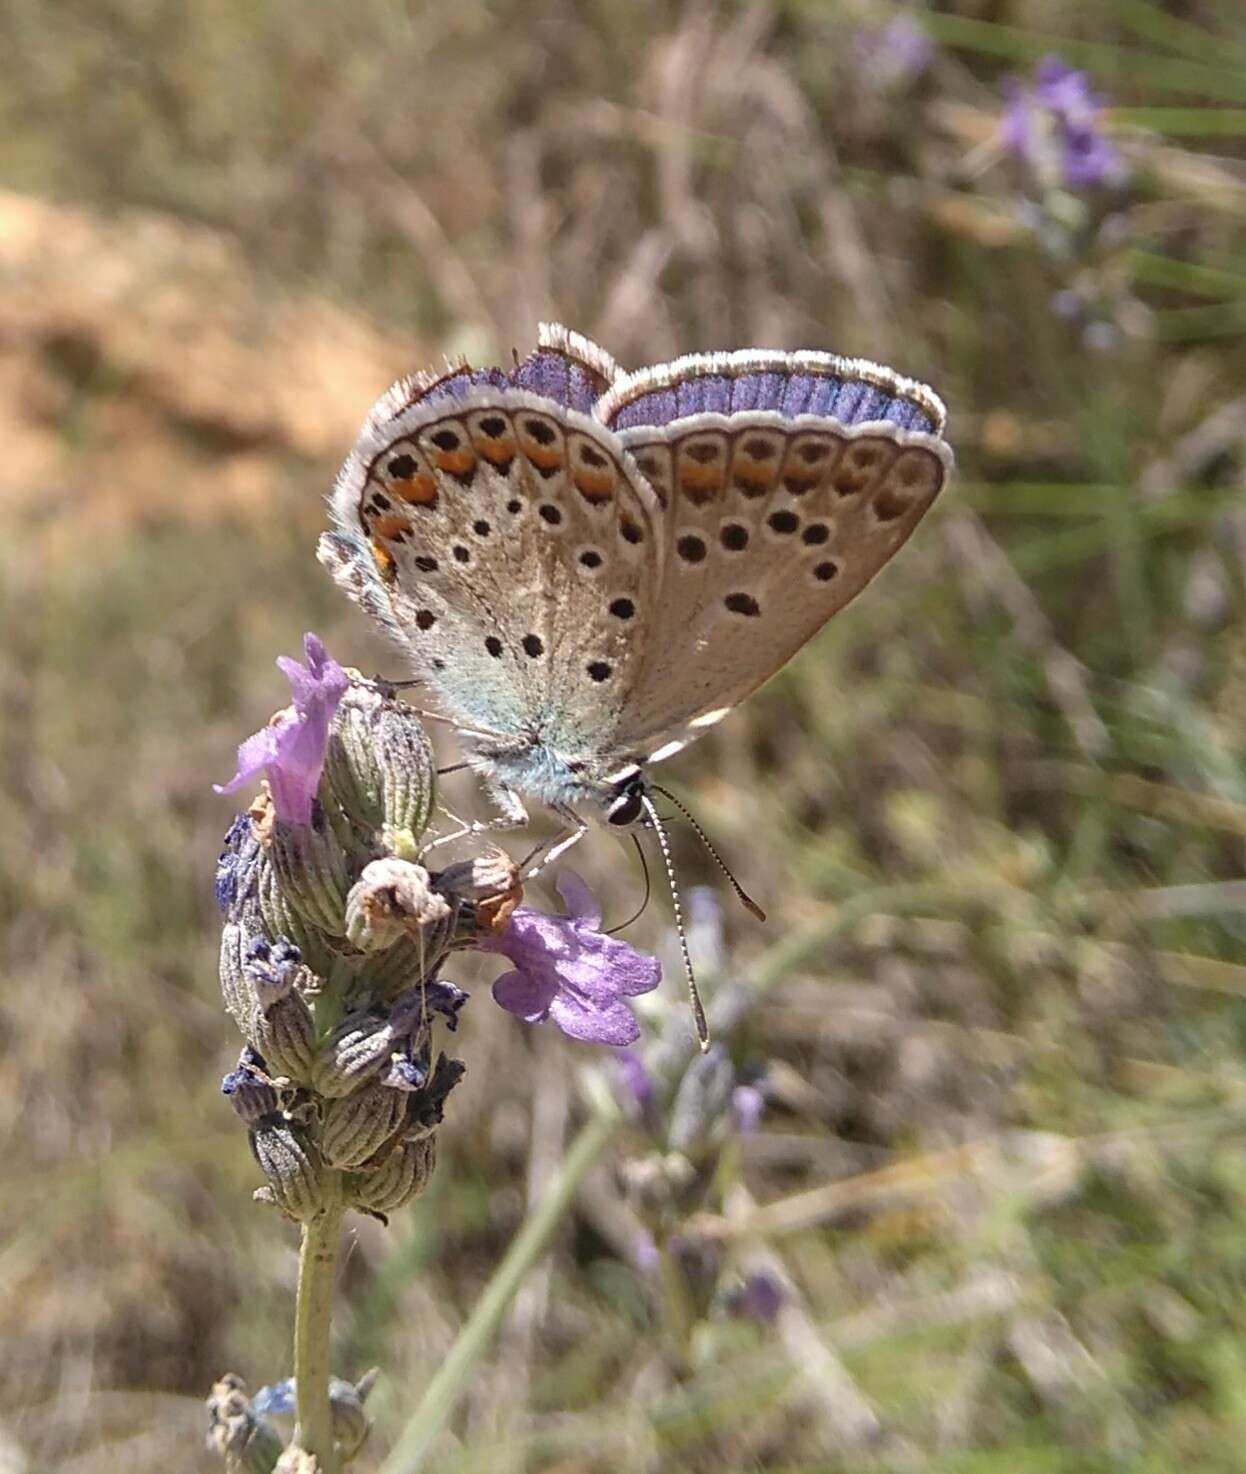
506	541
786	482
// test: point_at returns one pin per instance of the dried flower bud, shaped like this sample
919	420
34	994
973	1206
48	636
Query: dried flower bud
404	965
361	1046
284	1031
357	1126
426	1108
350	1422
291	1165
279	1402
237	866
250	1091
248	1443
402	1174
392	899
380	763
298	1461
701	1103
237	938
310	868
488	889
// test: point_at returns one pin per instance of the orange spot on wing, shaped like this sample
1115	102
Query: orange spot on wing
420	489
497	451
384	561
388	527
594	486
455	462
693	477
747	479
542	456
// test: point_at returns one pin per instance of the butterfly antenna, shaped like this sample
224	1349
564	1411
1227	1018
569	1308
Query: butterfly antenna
745	899
664	844
644	905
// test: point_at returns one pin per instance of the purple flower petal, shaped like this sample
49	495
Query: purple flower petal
759	1298
636	1081
1057	122
290	751
525	996
594	1020
581	903
567	970
748	1104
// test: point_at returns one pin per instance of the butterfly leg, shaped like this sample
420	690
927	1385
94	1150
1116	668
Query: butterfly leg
533	866
512	815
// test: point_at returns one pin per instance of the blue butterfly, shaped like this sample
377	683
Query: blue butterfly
589	568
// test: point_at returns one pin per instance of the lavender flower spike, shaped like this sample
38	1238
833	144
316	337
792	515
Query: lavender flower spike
1057	123
567	970
290	750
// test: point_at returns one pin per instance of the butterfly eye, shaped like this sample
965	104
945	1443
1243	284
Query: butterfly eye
626	809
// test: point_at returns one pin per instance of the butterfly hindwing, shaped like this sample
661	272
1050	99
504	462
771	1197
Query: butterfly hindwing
774	521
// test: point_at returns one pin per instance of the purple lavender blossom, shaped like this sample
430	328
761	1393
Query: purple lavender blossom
636	1083
747	1105
567	970
1058	121
898	52
759	1298
290	750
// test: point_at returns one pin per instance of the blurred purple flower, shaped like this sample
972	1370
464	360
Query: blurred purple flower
568	970
1058	120
759	1298
898	52
637	1083
645	1253
747	1105
290	750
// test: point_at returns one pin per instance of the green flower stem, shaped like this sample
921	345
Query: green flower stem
442	1394
312	1314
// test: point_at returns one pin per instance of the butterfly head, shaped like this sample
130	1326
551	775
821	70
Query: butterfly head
612	793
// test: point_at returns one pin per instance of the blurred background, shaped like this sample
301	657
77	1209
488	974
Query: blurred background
997	1190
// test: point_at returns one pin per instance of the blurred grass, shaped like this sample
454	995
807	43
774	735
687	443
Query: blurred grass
1030	727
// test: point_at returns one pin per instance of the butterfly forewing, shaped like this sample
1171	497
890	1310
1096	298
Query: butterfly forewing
487	518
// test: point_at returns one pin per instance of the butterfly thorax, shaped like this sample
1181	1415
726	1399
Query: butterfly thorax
607	788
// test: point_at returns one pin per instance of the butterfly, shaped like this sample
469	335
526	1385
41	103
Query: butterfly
589	568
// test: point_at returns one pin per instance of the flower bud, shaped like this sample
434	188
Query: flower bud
236	940
295	1460
350	1422
290	1163
391	900
357	1126
402	1174
488	890
248	1443
699	1110
237	866
426	1107
402	966
279	1403
380	764
284	1031
281	919
310	868
362	1044
250	1091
